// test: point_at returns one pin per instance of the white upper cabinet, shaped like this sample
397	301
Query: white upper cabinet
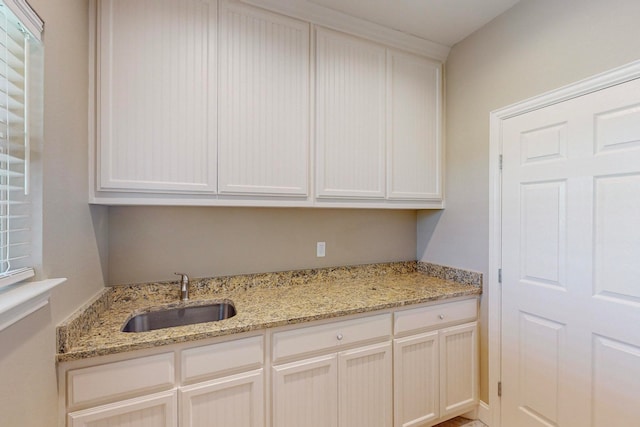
413	126
217	102
350	117
263	103
156	95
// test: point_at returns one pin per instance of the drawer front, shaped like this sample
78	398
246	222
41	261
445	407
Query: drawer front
436	316
216	359
331	336
118	380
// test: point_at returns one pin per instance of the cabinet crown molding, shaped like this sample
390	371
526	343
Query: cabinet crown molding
319	15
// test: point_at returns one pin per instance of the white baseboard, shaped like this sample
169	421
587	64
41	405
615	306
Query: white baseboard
484	414
472	414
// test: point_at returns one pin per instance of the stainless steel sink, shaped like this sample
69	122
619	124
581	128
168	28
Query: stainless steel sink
179	316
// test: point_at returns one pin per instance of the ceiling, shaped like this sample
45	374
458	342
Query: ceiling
441	21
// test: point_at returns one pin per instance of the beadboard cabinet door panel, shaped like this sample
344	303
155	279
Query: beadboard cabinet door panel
350	117
365	386
304	393
156	92
416	379
458	369
264	102
229	401
414	127
158	410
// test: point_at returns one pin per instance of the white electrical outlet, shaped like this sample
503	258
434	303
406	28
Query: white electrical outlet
321	248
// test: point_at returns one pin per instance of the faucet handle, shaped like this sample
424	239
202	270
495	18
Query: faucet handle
183	277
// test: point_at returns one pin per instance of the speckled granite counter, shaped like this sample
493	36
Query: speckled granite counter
261	300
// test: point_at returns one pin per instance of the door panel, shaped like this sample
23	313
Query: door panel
236	400
304	393
542	342
570	245
350	116
617	201
364	387
264	102
157	133
543	234
157	410
616	369
458	368
416	379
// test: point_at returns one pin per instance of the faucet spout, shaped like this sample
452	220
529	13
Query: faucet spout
184	286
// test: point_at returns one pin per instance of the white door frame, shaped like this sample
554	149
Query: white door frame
600	81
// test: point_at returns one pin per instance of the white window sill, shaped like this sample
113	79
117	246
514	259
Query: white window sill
20	300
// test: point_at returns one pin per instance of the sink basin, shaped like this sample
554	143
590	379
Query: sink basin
179	316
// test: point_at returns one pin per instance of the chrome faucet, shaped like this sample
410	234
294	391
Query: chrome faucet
184	286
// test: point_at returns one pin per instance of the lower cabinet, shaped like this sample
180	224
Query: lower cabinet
236	400
351	388
435	372
195	385
404	368
158	410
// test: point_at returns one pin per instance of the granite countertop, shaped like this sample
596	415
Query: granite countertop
261	300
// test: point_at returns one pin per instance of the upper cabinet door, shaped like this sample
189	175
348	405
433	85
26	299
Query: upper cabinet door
414	127
350	117
156	95
264	102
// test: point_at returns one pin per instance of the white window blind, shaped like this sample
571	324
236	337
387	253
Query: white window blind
15	202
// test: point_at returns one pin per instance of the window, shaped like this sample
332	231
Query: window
20	121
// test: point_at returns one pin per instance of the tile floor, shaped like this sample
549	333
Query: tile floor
461	422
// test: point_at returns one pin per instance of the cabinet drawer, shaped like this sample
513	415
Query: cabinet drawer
436	316
331	336
117	380
210	360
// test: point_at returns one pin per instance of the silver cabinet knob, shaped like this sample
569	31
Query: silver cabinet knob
441	317
339	336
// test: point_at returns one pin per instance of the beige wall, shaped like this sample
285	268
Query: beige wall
151	243
28	388
536	46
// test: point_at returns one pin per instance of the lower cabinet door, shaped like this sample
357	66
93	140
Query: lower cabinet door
236	400
365	387
416	380
458	369
304	393
157	410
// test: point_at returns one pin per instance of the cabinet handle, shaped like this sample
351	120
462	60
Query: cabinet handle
441	317
339	336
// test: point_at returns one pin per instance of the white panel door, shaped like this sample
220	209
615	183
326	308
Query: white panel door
570	248
157	95
364	381
304	393
157	410
230	401
264	102
416	379
458	369
413	127
350	116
